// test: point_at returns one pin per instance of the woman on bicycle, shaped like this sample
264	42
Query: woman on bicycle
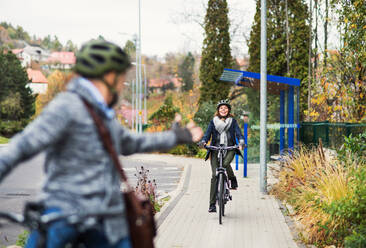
222	130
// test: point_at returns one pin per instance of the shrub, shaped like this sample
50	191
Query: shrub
351	210
353	149
22	239
9	128
186	150
201	153
165	114
357	239
312	184
3	140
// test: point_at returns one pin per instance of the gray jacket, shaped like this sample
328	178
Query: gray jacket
80	175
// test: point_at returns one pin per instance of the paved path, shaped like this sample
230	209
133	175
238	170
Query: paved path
252	220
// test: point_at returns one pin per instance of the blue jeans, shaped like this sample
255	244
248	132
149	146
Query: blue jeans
60	233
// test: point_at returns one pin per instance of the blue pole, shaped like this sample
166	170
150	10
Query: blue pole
246	149
282	121
290	109
236	162
298	116
236	158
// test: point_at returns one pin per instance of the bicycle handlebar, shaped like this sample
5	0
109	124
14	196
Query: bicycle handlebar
72	218
77	217
222	148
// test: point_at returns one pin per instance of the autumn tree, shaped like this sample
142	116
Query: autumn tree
56	84
340	94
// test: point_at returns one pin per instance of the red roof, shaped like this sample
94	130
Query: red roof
36	76
158	83
16	51
62	57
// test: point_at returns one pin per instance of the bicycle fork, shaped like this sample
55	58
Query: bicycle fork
227	195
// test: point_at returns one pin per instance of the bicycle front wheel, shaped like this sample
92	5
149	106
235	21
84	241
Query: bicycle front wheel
221	197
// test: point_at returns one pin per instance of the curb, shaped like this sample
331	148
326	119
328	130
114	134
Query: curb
3	145
176	195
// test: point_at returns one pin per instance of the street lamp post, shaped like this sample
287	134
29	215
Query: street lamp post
139	76
263	99
133	104
139	95
138	83
145	96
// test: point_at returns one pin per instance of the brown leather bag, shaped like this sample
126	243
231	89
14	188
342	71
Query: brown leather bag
139	210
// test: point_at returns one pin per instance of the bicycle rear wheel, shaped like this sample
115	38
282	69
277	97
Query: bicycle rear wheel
221	197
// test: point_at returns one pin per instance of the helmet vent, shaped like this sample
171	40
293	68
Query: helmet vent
85	62
117	60
120	51
100	47
100	59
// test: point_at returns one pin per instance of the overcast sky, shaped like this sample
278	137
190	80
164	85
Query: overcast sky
163	28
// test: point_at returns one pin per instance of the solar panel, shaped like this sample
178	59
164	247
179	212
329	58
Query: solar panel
231	76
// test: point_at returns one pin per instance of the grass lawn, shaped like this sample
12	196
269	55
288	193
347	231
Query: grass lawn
3	140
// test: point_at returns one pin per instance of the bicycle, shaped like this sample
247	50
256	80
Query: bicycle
34	220
222	188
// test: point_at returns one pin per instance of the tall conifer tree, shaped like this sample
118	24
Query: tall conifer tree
13	81
216	52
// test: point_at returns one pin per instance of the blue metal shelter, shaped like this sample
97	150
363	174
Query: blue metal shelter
285	87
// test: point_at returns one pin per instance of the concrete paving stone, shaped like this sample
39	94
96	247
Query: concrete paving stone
252	219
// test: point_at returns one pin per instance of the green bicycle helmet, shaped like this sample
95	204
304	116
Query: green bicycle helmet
98	57
224	102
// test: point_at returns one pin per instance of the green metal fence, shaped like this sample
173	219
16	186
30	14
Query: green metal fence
331	134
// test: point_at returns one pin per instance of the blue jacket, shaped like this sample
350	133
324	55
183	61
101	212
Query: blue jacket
213	134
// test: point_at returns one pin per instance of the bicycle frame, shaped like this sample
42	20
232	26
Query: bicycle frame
222	187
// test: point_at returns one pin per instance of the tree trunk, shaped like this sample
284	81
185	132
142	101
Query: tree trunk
288	43
310	53
326	33
316	39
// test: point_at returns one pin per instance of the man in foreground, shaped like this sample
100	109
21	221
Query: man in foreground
80	175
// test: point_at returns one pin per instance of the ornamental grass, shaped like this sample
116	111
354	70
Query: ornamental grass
311	180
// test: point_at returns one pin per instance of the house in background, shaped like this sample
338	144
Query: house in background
36	53
61	60
38	82
24	57
30	54
160	85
